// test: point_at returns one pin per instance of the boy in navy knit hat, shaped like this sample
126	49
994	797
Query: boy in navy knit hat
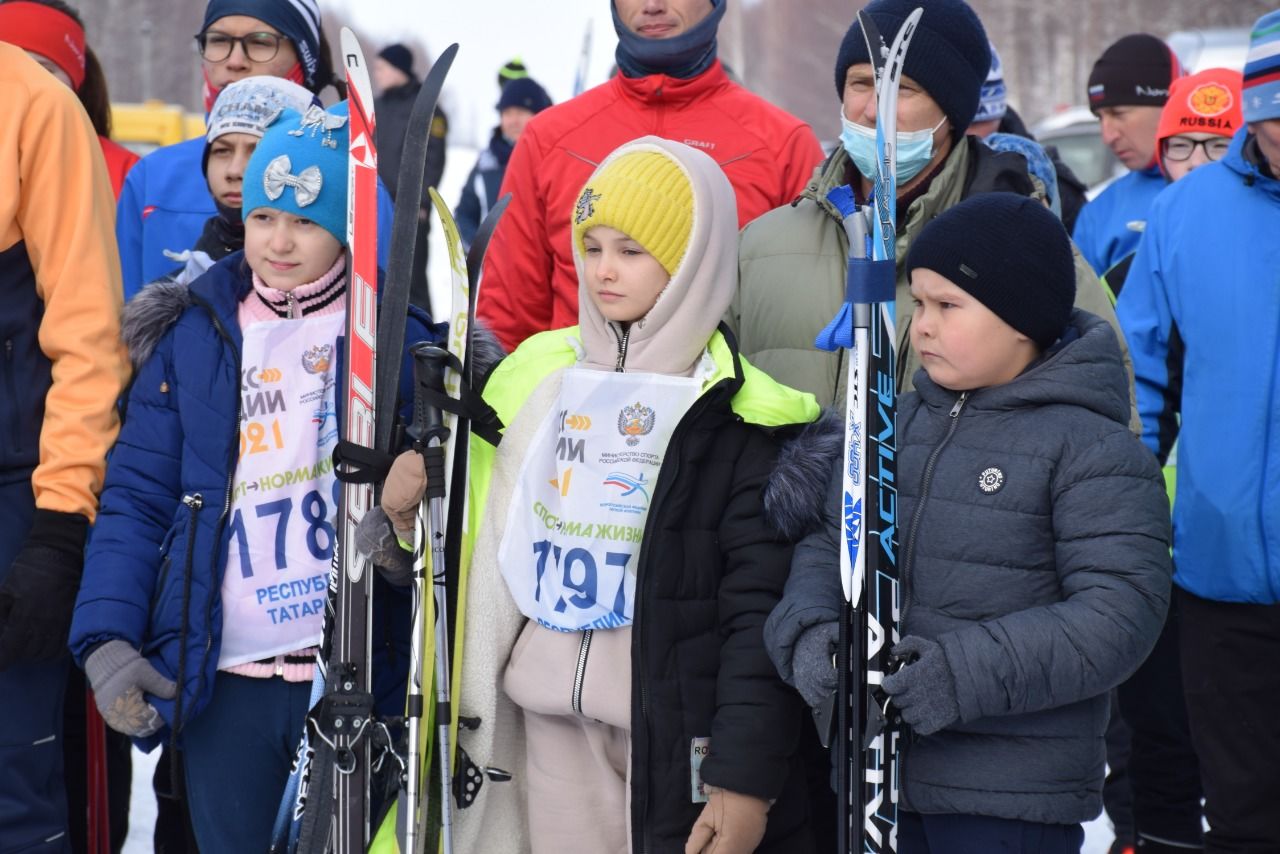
202	603
1033	538
804	244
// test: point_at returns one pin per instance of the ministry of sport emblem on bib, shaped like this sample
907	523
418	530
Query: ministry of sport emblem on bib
635	421
316	360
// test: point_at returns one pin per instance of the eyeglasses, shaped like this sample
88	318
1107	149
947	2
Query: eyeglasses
259	47
1180	148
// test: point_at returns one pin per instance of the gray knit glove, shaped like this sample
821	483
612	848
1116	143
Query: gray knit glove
924	691
120	676
377	540
812	666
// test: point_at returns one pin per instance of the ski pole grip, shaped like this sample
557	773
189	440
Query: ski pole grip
429	363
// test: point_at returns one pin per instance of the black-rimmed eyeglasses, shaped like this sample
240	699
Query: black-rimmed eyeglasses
1179	148
258	47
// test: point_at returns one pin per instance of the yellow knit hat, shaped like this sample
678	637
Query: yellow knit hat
645	195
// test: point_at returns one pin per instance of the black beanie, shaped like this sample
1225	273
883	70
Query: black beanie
1011	254
949	54
1135	71
524	92
399	56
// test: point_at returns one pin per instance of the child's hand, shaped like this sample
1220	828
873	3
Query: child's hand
925	690
730	823
812	665
120	676
402	493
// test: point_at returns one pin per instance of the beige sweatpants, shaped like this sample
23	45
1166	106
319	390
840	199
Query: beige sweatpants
577	767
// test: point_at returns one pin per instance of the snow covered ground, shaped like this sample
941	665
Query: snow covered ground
458	163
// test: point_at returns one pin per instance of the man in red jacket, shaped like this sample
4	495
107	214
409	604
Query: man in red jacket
669	84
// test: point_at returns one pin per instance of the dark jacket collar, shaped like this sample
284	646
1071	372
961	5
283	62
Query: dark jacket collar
1087	372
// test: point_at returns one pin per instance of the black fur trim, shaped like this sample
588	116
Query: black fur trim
794	495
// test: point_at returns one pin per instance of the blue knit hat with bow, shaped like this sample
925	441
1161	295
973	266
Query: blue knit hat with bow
300	167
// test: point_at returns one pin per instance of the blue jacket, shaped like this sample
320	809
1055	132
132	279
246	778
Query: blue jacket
153	572
481	189
1103	231
1206	282
164	205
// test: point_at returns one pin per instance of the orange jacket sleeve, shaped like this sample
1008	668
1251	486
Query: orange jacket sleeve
56	199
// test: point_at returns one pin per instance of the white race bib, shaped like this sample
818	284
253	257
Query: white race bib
572	539
284	497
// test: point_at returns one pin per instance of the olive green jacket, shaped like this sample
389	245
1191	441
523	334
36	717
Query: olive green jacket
792	263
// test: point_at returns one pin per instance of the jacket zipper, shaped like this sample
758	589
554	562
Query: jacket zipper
583	651
194	502
11	389
665	478
926	481
623	339
231	469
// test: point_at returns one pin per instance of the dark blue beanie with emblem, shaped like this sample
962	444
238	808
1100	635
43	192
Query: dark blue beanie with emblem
297	20
1011	254
949	54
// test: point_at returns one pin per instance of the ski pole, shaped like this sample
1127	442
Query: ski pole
429	434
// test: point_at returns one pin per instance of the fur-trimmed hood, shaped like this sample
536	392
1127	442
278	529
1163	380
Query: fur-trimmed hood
796	491
148	316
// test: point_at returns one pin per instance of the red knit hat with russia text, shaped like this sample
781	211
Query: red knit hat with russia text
1208	102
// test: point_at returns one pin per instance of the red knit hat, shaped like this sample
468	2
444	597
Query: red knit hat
1208	102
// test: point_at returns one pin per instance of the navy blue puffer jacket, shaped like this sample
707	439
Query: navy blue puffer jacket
153	572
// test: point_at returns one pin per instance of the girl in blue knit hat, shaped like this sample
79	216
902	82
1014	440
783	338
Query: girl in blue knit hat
1032	535
202	604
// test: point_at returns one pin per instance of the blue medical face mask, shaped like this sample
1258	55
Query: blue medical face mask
915	149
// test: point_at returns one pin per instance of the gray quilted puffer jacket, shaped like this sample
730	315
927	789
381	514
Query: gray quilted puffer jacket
1034	548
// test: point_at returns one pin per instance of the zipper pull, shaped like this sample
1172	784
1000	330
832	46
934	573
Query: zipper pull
955	410
194	501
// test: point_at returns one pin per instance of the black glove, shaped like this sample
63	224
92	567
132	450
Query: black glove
39	593
812	666
925	690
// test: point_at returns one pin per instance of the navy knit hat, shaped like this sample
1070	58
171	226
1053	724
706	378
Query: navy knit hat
1137	71
298	20
949	54
524	92
1011	254
399	57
